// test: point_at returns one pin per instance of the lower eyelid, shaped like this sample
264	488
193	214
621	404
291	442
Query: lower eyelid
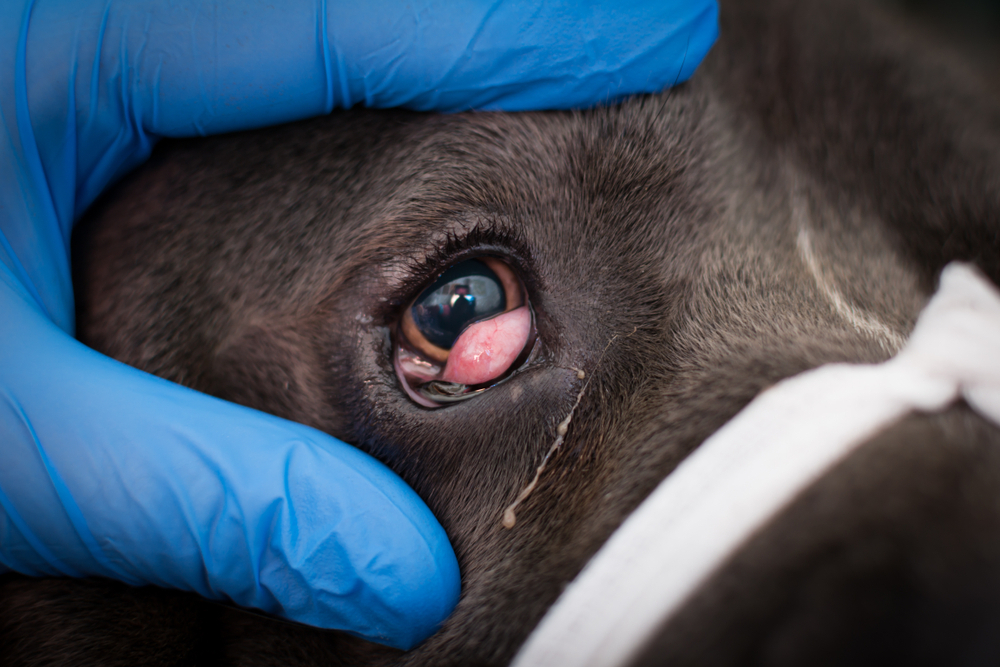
414	395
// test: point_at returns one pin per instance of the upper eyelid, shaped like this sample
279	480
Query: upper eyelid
405	275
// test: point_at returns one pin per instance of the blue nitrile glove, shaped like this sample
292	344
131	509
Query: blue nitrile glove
107	471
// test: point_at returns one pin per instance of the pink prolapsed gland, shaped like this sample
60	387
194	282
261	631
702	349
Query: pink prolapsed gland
486	349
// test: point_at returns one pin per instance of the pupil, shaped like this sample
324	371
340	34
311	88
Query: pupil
464	294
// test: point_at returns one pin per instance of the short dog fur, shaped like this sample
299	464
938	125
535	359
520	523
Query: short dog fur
684	249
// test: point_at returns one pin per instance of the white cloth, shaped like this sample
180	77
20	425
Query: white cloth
753	467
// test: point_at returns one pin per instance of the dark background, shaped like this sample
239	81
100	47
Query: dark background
980	17
971	26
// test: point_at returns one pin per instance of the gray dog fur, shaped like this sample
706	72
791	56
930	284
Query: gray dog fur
268	267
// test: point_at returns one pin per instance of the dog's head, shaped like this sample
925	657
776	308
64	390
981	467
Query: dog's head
677	254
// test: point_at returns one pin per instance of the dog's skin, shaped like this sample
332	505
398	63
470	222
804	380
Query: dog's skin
684	249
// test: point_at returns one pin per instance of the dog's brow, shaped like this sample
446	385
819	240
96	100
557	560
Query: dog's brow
398	269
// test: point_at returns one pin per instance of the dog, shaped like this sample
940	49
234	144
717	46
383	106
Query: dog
792	205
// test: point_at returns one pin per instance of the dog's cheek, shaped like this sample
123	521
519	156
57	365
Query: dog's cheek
95	621
468	461
275	369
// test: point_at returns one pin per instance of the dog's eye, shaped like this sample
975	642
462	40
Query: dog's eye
465	333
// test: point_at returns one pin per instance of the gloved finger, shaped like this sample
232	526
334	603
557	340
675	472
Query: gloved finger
112	472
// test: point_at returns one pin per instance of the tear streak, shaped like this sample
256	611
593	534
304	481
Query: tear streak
509	515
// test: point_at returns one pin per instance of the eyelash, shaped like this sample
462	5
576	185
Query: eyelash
492	239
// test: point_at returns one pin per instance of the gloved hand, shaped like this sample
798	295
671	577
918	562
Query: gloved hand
107	471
